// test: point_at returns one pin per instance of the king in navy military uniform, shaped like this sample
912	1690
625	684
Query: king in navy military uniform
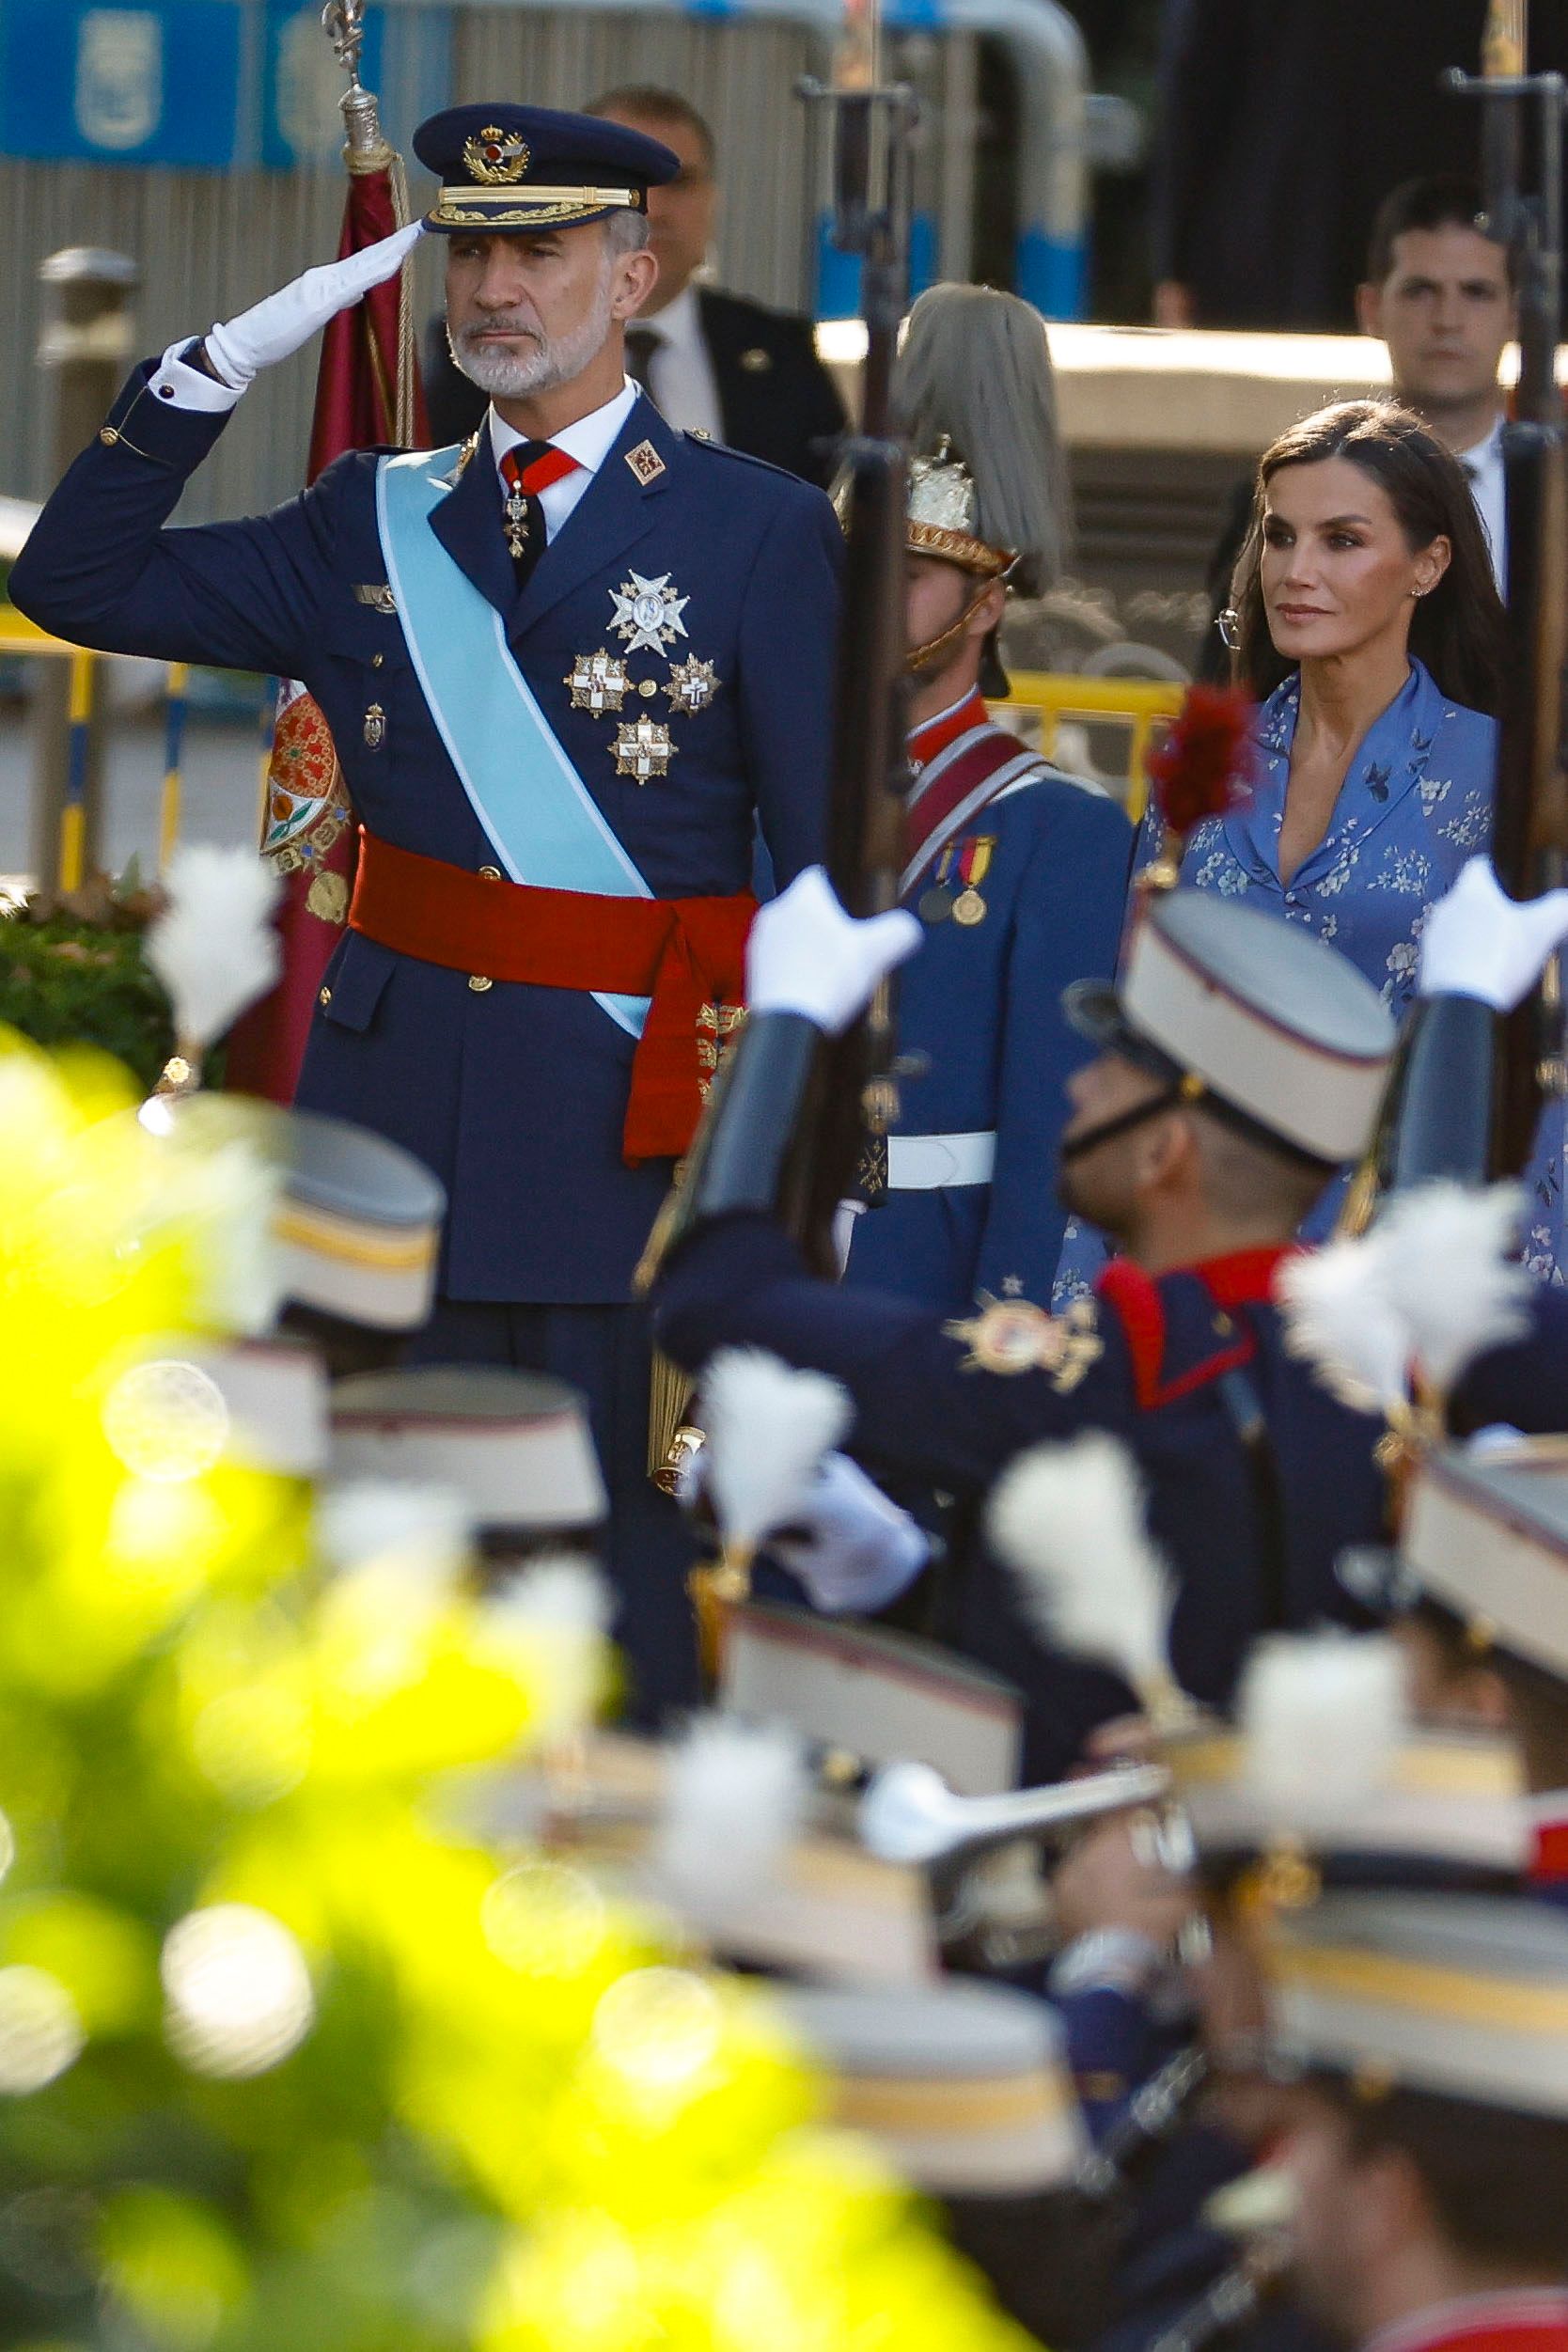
1016	871
568	667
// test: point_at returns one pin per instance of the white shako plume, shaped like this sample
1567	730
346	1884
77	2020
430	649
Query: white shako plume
1069	1521
1340	1319
213	949
768	1428
1323	1716
975	369
1426	1292
1451	1276
734	1799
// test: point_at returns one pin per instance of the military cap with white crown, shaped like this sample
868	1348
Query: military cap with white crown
1459	1997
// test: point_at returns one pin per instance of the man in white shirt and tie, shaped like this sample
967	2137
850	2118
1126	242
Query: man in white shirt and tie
1441	297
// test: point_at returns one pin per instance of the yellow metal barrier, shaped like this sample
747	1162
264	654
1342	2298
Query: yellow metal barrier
20	635
1139	703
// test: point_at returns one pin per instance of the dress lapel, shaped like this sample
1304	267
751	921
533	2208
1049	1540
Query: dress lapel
619	508
468	524
1390	762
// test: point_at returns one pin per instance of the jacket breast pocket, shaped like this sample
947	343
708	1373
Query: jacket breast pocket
356	983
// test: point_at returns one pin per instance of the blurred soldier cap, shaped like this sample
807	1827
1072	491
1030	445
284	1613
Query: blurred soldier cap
965	2085
514	1445
276	1390
1444	1807
1461	1996
357	1228
1250	1017
1485	1536
510	170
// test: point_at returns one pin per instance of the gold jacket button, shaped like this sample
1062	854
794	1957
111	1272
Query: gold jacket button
108	436
478	982
490	873
325	996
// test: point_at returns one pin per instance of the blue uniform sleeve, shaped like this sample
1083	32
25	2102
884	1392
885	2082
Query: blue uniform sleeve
922	1402
788	638
101	569
1068	923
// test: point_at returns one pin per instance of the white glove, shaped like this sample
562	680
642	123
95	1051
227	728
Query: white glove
806	955
1479	942
859	1551
285	321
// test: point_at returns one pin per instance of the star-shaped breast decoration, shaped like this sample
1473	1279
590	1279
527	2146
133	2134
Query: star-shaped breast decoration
598	681
691	686
643	749
648	613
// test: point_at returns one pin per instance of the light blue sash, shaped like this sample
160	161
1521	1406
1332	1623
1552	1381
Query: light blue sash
539	814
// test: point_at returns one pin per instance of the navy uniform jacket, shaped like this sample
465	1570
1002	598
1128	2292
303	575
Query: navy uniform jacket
980	1007
516	1097
951	1402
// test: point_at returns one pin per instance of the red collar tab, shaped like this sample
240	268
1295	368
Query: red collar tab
1548	1862
935	734
1246	1276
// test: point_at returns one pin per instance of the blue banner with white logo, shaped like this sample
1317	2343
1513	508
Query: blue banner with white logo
100	82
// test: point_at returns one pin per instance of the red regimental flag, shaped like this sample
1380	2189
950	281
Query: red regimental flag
308	830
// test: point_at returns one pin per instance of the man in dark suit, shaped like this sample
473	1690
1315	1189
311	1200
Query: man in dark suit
713	363
570	669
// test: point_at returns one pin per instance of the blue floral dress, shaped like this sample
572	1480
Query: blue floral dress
1415	803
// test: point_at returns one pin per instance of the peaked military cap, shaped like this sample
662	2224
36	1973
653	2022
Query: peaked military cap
510	169
514	1445
966	2085
1462	1996
1250	1016
275	1390
357	1227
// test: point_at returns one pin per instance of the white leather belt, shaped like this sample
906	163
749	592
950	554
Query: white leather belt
927	1163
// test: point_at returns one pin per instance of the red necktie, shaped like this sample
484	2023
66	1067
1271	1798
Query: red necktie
527	469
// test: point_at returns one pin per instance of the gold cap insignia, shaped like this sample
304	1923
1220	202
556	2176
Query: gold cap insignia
496	157
645	462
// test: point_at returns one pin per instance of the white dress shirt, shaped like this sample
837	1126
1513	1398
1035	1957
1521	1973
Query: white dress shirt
680	371
1483	464
590	441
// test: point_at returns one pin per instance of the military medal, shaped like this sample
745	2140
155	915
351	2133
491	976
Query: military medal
691	686
1012	1335
937	904
598	681
646	613
643	749
974	863
375	727
515	522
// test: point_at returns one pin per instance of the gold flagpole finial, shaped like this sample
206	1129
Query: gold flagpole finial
1505	41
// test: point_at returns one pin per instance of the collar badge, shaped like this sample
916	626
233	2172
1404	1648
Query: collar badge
645	462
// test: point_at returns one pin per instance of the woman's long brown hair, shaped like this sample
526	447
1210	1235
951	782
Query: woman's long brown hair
1457	629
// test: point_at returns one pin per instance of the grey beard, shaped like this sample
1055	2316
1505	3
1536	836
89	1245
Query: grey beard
516	375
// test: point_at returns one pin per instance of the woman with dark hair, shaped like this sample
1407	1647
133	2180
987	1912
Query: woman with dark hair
1368	625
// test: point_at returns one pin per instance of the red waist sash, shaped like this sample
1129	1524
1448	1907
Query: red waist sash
688	955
